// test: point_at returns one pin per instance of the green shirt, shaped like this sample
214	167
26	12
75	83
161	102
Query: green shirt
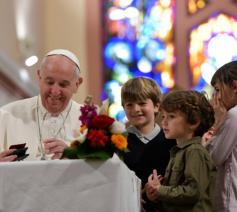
189	179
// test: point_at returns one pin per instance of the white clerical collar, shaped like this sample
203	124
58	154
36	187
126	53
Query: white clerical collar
144	138
45	113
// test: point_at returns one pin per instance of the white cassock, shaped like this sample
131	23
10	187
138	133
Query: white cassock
27	121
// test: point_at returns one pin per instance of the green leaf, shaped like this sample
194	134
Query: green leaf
70	153
98	154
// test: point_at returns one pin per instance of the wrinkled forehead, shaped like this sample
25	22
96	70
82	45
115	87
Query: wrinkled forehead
65	53
55	66
58	62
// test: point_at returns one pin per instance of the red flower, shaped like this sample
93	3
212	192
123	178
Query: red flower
97	138
102	121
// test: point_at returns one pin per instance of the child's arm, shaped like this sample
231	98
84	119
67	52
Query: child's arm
206	138
223	143
154	181
185	186
220	113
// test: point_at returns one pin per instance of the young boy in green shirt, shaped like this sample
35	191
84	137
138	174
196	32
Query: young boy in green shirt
189	179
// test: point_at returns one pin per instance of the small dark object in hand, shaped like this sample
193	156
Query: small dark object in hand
22	157
20	151
17	146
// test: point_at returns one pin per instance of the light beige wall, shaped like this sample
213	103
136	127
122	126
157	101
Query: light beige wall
10	17
94	48
64	27
8	40
70	24
29	16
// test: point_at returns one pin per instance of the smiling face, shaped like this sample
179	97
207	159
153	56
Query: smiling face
57	82
141	114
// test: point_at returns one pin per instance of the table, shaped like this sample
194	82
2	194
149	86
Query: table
68	186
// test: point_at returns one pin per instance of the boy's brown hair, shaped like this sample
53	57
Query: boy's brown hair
140	89
194	105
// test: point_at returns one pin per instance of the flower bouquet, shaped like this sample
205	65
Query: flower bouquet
99	136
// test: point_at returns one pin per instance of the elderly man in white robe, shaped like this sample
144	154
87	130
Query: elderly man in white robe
44	122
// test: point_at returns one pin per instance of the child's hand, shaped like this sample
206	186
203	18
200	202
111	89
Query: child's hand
207	136
154	181
220	112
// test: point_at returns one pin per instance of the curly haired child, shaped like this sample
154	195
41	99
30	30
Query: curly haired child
188	183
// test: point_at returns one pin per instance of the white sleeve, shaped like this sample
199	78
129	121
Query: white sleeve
223	143
3	126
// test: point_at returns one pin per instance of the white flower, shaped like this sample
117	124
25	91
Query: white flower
118	128
81	137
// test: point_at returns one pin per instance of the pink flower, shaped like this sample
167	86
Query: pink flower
88	112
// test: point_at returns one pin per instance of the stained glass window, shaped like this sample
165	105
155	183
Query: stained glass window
212	44
138	42
196	5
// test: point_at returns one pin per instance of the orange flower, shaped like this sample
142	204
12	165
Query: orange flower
119	141
83	127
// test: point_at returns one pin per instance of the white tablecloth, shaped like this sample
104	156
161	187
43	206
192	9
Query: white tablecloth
68	186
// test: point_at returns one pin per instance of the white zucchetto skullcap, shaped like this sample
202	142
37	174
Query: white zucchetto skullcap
67	54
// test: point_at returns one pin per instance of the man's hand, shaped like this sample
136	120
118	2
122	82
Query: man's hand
55	147
6	156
